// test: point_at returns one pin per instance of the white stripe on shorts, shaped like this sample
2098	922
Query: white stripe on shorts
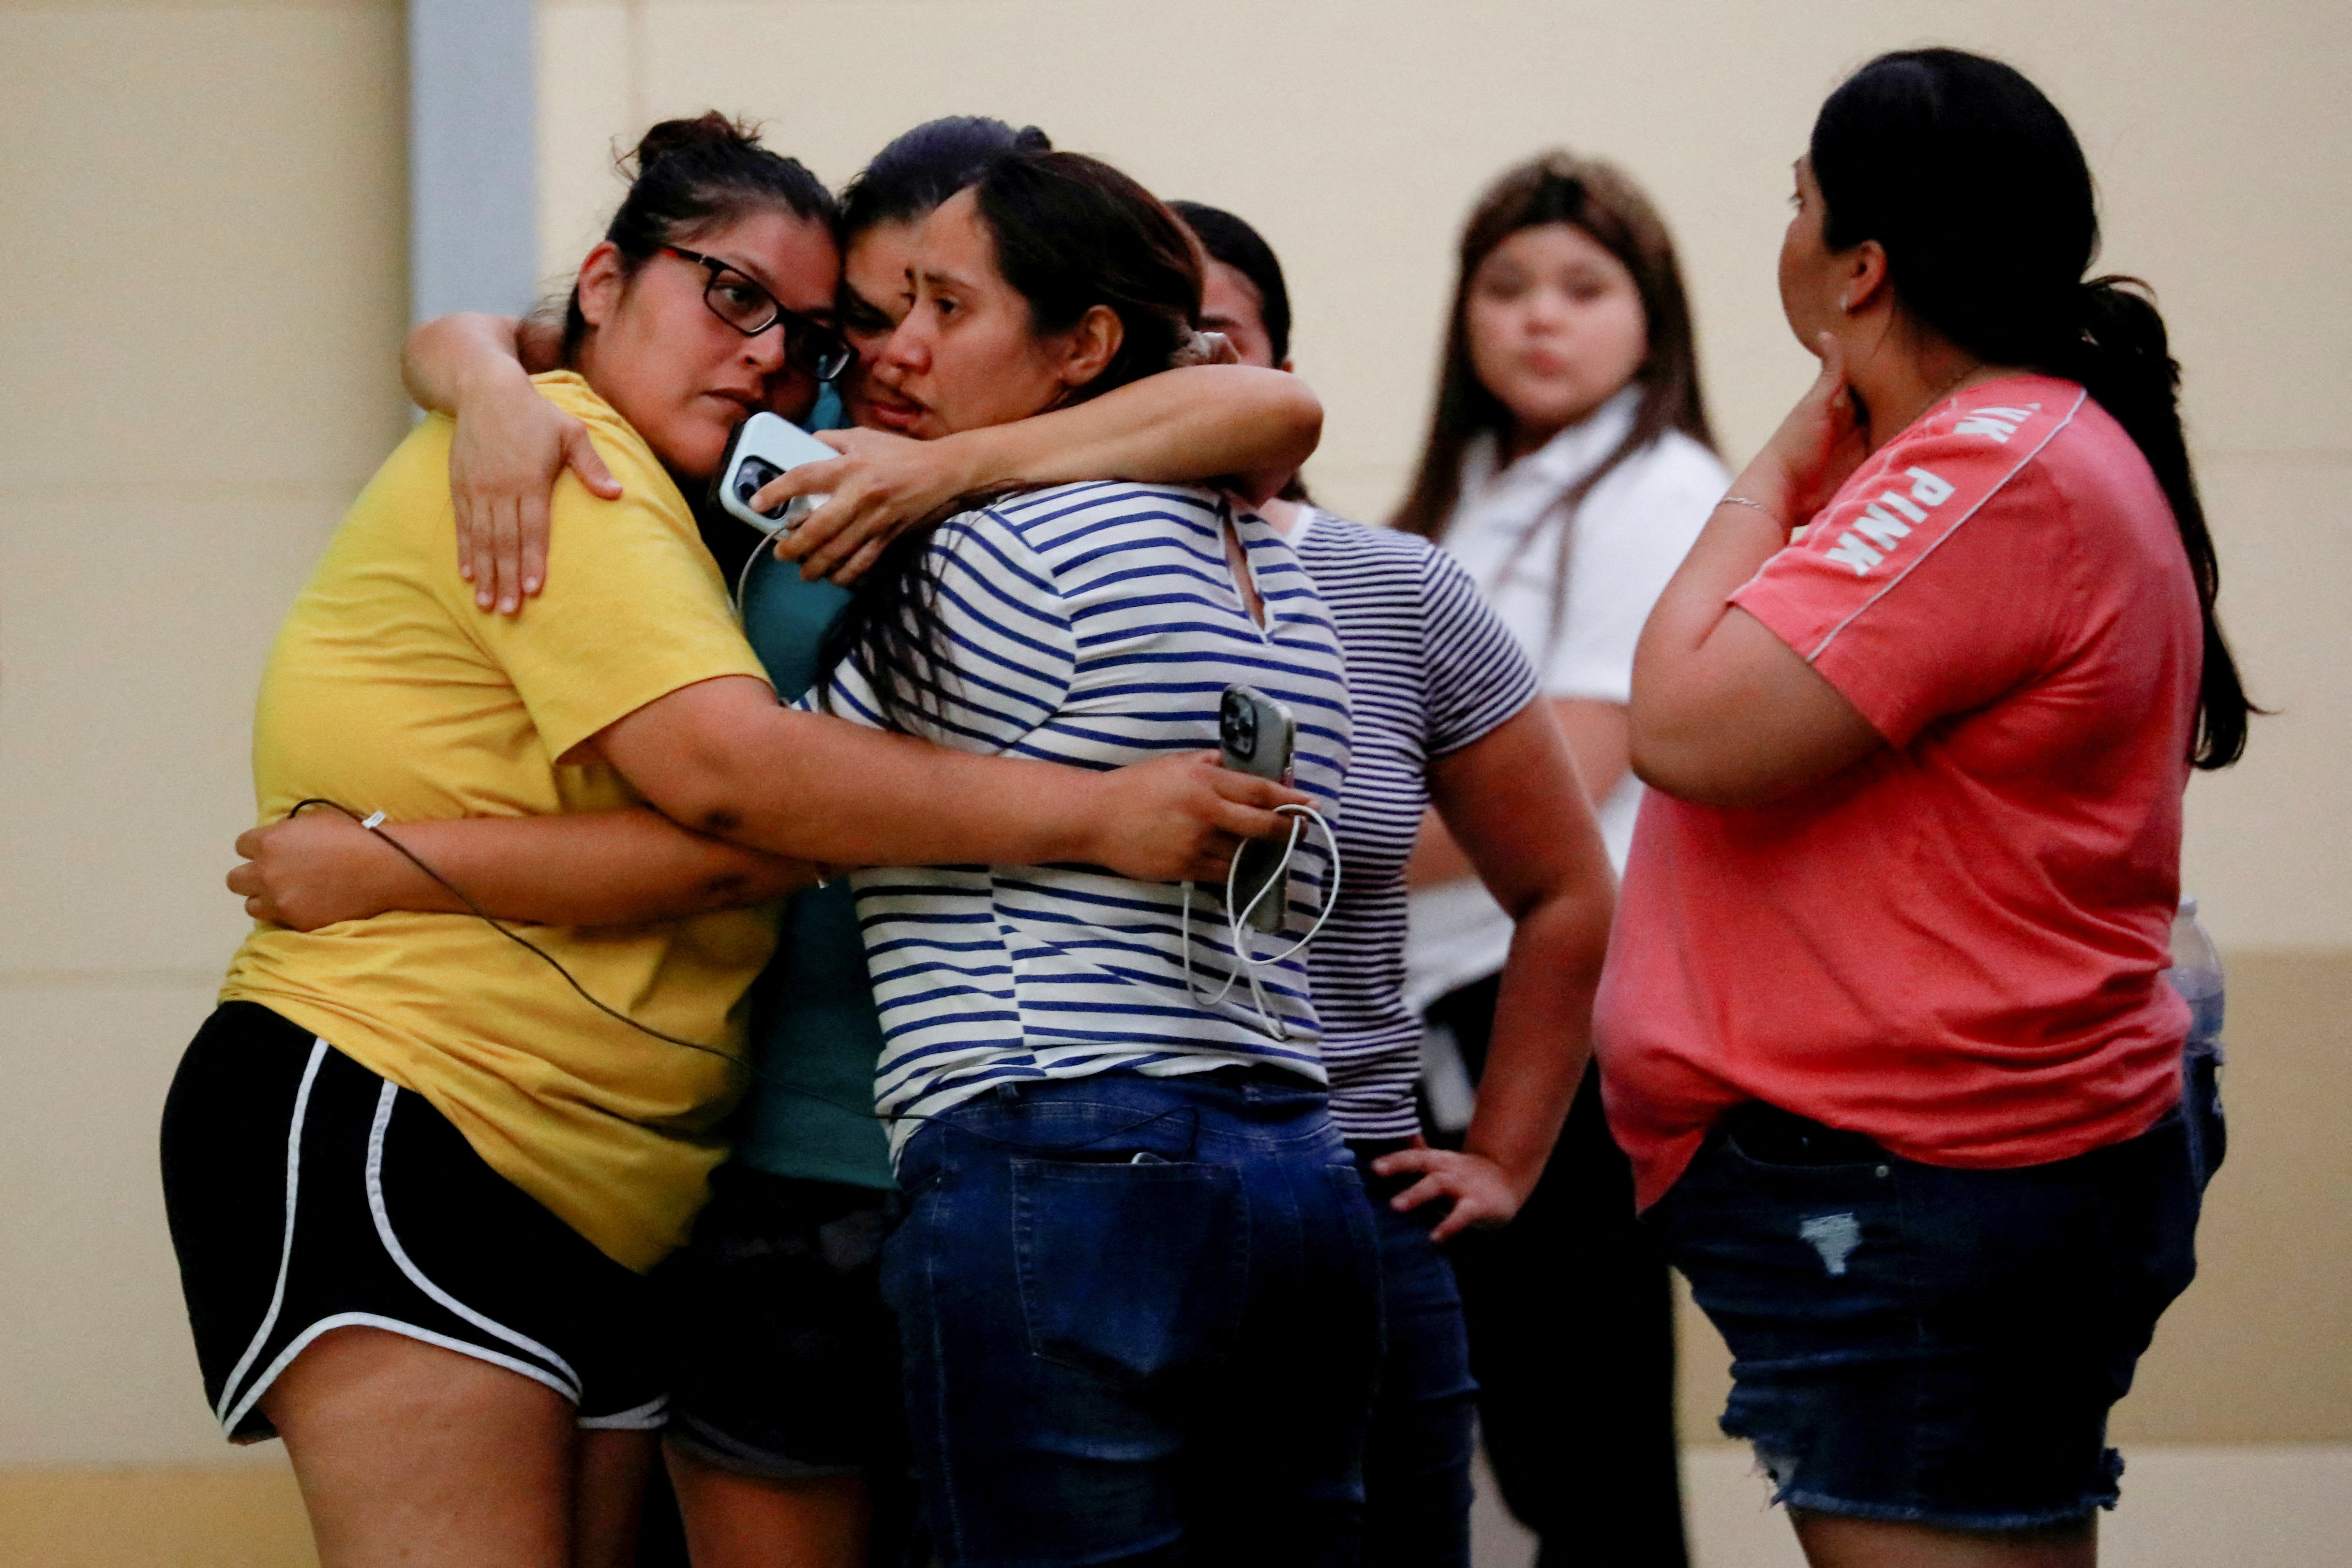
650	1417
570	1388
389	1325
286	1251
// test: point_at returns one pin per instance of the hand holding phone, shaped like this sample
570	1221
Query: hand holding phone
1258	735
762	447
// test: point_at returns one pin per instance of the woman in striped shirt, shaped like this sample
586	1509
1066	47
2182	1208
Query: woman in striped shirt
1446	711
1136	1281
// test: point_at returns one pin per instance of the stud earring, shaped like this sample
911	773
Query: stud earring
1845	301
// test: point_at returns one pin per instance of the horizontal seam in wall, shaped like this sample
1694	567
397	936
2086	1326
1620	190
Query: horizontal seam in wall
2296	456
106	979
168	8
108	491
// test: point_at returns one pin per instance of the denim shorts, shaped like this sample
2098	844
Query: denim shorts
1920	1344
783	1360
1141	1323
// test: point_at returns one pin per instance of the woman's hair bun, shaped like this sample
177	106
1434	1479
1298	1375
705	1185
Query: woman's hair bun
689	177
1029	139
704	131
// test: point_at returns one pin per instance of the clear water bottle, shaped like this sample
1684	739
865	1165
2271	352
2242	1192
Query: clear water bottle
2196	974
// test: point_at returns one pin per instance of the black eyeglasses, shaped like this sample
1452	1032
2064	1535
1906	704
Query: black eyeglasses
809	345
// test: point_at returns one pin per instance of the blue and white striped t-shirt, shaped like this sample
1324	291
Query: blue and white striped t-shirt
1096	624
1430	670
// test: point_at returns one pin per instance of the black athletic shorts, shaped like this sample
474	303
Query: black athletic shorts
787	1360
306	1194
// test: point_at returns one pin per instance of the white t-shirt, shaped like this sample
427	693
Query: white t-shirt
1630	533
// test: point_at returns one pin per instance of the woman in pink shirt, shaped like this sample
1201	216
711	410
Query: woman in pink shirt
1884	1029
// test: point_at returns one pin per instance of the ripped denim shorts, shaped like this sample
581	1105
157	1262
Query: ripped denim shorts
1918	1344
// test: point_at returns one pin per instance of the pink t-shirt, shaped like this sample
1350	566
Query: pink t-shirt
1956	945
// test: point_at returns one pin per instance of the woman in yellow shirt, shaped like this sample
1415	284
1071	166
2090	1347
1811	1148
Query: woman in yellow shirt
413	1182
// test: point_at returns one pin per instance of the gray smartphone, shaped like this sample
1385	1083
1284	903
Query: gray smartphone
762	447
1258	735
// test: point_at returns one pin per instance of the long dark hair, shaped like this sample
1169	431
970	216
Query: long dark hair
1973	183
1070	233
1599	198
689	177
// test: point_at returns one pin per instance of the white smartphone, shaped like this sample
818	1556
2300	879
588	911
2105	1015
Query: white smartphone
762	447
1258	735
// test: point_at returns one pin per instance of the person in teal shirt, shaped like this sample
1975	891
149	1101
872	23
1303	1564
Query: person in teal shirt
784	1400
810	1114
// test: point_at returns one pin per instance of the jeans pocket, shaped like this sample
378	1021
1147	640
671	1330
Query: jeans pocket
1129	1271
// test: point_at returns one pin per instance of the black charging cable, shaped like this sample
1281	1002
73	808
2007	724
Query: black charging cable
374	824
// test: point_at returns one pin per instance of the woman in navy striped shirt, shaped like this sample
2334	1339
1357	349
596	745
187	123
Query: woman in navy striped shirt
1137	1284
1446	711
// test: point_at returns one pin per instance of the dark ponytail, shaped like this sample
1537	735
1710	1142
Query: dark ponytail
1069	232
2124	358
690	177
1973	183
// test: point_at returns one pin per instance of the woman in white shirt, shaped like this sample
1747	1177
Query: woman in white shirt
1568	468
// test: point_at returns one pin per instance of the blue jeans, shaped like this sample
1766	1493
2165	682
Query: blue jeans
1141	1323
1417	1458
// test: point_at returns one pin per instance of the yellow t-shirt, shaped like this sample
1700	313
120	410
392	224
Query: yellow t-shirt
387	690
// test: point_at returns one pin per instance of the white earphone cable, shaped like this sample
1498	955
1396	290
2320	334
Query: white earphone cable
1246	963
765	546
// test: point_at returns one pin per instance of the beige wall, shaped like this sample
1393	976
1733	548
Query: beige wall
203	250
